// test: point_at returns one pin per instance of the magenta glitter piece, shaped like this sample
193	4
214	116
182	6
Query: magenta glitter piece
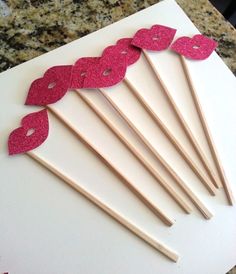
100	72
80	69
51	87
157	38
199	47
124	48
32	133
85	62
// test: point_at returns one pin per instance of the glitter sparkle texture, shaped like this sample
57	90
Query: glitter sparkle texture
51	87
199	47
32	133
157	38
105	71
125	48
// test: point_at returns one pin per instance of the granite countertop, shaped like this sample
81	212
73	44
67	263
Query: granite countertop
31	28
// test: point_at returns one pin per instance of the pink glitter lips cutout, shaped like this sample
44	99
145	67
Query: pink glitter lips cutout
98	72
32	133
198	48
157	38
80	69
124	48
107	70
51	87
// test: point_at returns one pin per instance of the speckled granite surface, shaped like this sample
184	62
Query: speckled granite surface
31	28
34	27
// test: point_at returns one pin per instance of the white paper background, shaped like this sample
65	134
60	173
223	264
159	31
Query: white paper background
46	227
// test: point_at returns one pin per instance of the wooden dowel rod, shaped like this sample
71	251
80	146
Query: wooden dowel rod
158	212
179	200
199	205
207	132
203	178
184	125
111	212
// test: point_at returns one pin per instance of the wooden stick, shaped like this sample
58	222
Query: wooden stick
111	212
204	179
179	200
166	220
184	125
199	205
207	132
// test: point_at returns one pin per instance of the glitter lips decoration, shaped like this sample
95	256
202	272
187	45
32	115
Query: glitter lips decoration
110	67
157	38
51	87
199	47
32	133
79	71
98	72
125	48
